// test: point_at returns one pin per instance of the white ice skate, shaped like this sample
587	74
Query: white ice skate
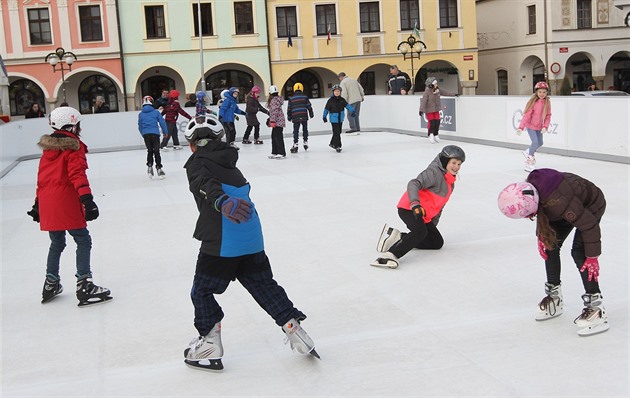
432	138
386	260
551	305
205	352
150	172
593	319
161	174
388	237
299	339
530	164
437	138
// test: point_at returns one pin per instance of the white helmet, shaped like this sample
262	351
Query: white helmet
64	116
273	89
204	128
147	100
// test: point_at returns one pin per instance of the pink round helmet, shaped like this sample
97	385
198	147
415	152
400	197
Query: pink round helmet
518	200
541	84
255	90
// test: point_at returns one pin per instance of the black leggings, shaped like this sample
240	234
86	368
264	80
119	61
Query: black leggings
152	142
248	130
552	264
434	126
420	236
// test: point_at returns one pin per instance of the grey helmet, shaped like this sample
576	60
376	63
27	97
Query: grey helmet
429	81
203	129
450	152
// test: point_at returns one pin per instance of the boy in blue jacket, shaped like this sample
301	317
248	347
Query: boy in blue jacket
227	112
335	107
231	247
150	121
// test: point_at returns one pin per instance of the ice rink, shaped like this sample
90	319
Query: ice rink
458	322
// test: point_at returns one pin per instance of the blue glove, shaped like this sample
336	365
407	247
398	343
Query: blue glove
236	210
325	120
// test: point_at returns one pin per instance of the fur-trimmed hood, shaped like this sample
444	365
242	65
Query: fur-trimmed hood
58	142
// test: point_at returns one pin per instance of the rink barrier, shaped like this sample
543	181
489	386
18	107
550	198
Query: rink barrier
591	128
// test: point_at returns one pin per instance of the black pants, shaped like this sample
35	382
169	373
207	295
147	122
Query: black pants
434	126
230	132
552	264
172	131
152	142
277	141
420	236
248	130
296	131
335	141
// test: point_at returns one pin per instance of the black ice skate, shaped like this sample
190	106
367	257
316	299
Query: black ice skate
305	145
161	174
295	147
205	352
150	172
338	149
299	339
88	293
52	288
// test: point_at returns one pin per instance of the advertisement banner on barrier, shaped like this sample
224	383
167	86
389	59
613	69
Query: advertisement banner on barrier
556	133
447	115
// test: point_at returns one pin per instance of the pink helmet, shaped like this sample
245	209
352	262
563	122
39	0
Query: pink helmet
255	90
541	84
518	200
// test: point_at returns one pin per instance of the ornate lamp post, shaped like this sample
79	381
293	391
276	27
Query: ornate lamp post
57	60
410	49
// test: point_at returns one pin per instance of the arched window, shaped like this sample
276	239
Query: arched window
22	94
502	82
219	81
154	86
312	86
96	85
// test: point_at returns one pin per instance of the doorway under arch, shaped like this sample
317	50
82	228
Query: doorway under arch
22	94
97	85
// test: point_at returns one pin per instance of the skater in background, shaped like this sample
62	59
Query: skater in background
171	112
34	111
231	247
420	208
561	202
227	114
335	106
252	108
299	110
161	102
536	118
150	121
352	91
192	101
64	202
200	105
431	105
276	122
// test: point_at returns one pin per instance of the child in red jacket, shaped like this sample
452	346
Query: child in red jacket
64	202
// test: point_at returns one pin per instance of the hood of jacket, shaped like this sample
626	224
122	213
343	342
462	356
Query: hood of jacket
218	152
147	108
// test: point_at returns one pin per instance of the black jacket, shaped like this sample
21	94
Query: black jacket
399	82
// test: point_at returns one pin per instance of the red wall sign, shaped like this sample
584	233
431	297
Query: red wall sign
564	49
468	57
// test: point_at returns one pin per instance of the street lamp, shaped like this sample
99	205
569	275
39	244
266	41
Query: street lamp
56	60
411	48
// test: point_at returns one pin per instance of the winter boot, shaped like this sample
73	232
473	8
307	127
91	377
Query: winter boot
161	173
88	293
593	319
386	260
295	147
551	305
298	338
205	352
150	172
388	237
52	288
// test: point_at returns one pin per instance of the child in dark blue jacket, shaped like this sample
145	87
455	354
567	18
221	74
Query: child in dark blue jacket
150	121
227	112
335	107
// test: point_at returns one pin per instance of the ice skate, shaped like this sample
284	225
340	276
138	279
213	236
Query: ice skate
386	260
89	294
299	339
295	147
205	352
52	288
258	142
593	319
161	174
436	138
305	145
530	164
246	142
432	138
525	154
150	172
388	237
233	145
551	305
338	149
177	147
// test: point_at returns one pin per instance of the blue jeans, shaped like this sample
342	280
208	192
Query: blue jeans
354	121
58	243
537	140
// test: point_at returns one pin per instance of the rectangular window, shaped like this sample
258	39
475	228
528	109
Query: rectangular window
409	14
367	81
531	19
448	13
584	14
39	26
155	22
286	21
325	17
91	25
502	82
243	18
206	19
369	15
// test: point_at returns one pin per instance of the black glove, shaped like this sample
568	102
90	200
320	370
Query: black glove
236	118
420	113
91	210
34	211
325	120
268	122
417	210
457	95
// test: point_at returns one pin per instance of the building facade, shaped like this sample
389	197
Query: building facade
524	41
86	29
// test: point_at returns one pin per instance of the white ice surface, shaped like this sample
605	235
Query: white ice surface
458	322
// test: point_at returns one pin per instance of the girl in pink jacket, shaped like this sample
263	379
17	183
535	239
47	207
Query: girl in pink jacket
536	118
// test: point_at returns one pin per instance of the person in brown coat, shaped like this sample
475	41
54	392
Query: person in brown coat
430	105
561	202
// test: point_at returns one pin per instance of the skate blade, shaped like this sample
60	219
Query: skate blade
50	299
380	245
593	330
209	365
91	303
389	264
546	318
315	354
